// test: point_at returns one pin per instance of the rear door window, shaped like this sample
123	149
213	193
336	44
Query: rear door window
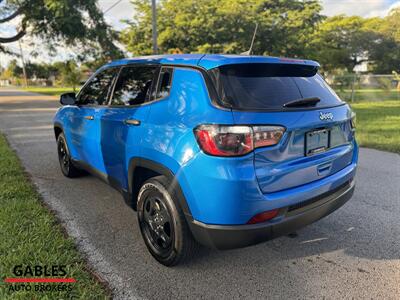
133	86
270	86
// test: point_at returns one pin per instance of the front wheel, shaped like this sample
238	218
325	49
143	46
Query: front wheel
67	168
162	223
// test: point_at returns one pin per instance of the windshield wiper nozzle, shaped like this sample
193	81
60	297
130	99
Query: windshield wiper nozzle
302	102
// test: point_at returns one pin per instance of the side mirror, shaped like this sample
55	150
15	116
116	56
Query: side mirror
68	99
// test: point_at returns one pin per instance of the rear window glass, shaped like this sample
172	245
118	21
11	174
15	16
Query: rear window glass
270	86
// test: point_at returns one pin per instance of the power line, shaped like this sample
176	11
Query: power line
112	6
153	21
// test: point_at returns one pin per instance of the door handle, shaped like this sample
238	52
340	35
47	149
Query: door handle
133	122
89	118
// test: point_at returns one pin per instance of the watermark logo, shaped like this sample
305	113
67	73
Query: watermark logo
40	278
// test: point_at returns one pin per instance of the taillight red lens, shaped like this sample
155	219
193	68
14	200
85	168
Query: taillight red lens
225	140
264	216
221	140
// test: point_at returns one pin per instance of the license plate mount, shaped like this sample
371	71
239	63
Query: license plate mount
317	141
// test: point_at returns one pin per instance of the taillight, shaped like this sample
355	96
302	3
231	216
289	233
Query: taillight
263	217
353	121
225	140
267	135
222	140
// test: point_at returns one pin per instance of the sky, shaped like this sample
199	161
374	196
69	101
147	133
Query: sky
364	8
124	10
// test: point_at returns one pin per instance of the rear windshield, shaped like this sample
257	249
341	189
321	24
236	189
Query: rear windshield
270	86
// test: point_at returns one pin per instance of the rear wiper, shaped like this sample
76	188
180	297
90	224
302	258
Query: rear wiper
302	102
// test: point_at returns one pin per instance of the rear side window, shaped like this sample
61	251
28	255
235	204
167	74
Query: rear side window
98	88
164	83
270	86
133	85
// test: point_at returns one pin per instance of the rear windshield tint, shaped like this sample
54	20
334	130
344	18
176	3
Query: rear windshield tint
270	86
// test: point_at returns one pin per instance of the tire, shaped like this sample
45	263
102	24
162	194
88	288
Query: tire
162	223
64	158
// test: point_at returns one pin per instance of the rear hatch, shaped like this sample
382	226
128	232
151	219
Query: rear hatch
318	129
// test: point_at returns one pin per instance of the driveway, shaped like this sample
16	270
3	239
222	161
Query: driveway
353	253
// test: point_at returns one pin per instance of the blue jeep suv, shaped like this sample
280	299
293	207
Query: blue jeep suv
220	150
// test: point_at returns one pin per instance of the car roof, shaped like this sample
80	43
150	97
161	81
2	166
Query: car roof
210	61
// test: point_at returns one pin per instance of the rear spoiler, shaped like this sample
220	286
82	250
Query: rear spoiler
267	69
211	61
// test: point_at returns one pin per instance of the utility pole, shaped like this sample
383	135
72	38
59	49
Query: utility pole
23	64
154	25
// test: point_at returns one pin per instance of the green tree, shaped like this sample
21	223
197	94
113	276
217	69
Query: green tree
14	69
226	26
70	74
75	22
36	70
385	51
391	26
341	42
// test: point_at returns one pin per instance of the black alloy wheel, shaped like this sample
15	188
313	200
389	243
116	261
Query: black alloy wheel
66	165
157	225
162	223
63	156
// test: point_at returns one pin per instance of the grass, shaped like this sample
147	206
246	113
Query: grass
370	95
30	235
378	124
53	91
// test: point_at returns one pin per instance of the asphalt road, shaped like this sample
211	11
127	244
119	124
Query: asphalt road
353	253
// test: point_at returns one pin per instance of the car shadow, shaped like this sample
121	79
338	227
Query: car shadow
354	235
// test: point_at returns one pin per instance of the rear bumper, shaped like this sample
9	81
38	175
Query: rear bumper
292	219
